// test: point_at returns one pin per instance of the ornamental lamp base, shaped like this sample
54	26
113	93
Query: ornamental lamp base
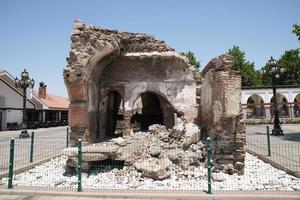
24	134
277	131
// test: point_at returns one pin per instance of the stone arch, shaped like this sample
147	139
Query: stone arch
280	97
282	102
137	62
161	95
82	80
296	106
255	106
151	108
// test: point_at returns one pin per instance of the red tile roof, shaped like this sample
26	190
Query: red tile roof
53	101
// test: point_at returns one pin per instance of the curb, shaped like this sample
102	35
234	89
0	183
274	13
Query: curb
29	166
152	195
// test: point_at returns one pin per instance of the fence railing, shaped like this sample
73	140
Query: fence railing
271	164
18	155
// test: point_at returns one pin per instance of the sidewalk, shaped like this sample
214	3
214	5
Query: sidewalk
48	142
40	195
285	150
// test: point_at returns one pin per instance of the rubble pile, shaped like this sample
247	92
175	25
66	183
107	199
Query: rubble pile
155	153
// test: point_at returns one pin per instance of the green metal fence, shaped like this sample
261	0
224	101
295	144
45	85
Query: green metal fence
272	164
21	156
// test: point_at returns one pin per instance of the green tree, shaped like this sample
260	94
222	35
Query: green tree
290	62
192	59
250	76
296	30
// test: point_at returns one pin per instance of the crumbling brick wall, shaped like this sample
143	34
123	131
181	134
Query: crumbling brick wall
221	114
213	104
95	51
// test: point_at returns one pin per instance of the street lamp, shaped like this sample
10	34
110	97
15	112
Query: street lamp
274	72
24	83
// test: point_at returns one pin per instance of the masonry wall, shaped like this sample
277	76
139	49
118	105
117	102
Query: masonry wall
221	114
170	80
94	50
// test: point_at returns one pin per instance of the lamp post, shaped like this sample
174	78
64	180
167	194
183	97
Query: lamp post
274	72
24	83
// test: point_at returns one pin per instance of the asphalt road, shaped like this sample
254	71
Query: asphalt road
285	150
260	129
42	133
48	142
60	132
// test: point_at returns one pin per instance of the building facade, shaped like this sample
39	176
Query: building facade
43	110
257	103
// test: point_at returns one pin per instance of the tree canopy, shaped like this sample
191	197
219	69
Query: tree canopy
192	59
296	30
250	76
290	62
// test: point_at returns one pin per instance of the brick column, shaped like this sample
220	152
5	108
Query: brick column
78	121
127	123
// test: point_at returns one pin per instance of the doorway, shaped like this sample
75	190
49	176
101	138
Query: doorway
149	109
114	116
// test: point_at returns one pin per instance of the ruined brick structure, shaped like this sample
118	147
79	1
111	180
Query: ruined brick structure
221	114
116	80
108	67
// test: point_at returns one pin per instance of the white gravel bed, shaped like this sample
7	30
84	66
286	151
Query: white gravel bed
258	176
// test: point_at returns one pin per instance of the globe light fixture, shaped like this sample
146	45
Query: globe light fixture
274	73
24	83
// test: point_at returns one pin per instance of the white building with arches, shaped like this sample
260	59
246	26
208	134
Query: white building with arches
257	102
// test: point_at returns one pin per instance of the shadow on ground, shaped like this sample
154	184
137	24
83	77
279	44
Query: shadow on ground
295	137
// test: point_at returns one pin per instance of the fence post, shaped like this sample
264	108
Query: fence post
79	165
209	165
31	147
67	137
11	163
268	138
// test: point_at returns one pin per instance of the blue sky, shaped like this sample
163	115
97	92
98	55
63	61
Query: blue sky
36	34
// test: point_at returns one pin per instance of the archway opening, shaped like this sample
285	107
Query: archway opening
150	108
283	110
297	106
255	107
114	115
